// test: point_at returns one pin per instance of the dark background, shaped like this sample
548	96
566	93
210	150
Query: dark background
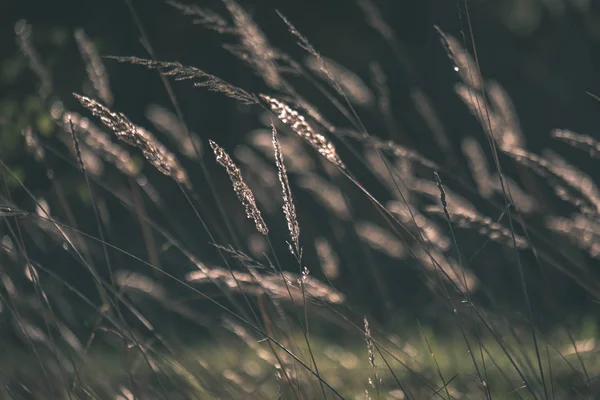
546	54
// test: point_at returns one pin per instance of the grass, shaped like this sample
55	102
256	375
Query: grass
352	266
202	369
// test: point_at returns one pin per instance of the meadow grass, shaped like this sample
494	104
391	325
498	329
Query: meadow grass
353	266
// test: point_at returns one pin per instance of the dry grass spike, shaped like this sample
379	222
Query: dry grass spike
583	142
94	66
289	209
300	126
240	187
153	150
200	78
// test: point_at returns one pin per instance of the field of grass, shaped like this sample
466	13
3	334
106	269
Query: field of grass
321	256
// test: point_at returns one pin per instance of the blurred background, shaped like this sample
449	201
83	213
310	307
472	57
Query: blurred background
544	53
